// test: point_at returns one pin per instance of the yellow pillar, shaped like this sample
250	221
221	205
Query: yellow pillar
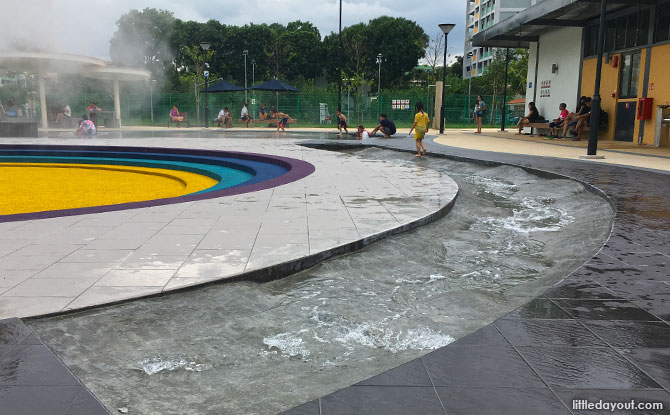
438	105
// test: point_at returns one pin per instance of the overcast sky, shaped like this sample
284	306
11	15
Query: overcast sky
85	26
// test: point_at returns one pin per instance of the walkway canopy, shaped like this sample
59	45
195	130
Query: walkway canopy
275	85
42	63
117	74
222	86
519	30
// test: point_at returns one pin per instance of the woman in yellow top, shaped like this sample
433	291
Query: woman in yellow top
420	128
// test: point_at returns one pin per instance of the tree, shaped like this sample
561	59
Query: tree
434	52
456	68
142	39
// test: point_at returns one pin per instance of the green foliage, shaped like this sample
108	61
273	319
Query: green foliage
142	39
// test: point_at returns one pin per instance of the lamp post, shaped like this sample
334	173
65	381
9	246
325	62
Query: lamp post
470	55
446	28
504	108
595	101
205	46
339	65
253	80
245	52
379	83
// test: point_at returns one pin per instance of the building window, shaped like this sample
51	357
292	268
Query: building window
662	23
623	32
630	75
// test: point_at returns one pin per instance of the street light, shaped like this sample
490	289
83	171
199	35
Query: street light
205	46
470	55
339	66
504	108
379	82
152	85
245	52
446	28
379	78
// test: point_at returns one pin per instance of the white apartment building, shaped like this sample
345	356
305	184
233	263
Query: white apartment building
480	15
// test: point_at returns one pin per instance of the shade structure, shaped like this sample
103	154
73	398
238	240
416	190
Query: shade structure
222	86
275	85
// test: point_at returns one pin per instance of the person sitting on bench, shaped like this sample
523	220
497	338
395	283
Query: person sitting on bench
532	117
175	115
386	126
224	118
582	122
557	123
573	117
263	113
244	115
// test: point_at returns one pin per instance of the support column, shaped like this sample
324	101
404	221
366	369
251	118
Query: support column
117	102
439	89
43	101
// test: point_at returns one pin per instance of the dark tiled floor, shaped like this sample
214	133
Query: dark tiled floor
600	334
34	381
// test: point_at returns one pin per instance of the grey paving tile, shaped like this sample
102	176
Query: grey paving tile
76	270
31	306
141	261
86	404
13	331
540	308
12	278
483	366
529	332
412	373
103	295
34	365
136	278
655	362
496	401
632	334
309	408
486	336
585	368
604	310
98	255
47	287
382	400
33	400
580	289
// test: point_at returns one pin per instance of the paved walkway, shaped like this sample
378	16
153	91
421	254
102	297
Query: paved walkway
603	333
68	263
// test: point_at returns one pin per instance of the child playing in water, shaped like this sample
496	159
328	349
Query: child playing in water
361	134
341	122
283	120
420	127
86	127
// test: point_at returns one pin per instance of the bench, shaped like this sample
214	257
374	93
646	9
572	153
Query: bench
181	114
538	126
271	122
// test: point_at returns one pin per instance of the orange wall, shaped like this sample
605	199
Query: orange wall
660	61
609	81
658	75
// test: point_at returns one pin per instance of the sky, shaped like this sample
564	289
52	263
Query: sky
85	26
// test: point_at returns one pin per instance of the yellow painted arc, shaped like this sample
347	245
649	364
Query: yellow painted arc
39	187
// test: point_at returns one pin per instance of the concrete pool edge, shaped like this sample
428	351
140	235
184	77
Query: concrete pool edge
296	170
398	388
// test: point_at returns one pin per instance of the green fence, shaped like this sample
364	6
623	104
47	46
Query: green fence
310	109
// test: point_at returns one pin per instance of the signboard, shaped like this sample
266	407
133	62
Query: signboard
206	74
545	89
400	104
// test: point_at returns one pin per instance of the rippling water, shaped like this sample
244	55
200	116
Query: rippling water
248	348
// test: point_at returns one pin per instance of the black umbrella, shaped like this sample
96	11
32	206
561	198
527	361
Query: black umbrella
223	86
275	85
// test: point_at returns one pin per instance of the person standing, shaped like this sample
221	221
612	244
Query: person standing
420	128
244	115
480	110
341	122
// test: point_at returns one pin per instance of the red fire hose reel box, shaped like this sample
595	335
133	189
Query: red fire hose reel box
644	108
